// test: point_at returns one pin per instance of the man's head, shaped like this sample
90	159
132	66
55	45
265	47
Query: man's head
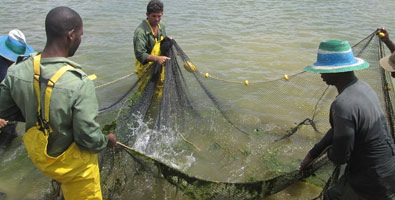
154	12
388	64
336	78
64	25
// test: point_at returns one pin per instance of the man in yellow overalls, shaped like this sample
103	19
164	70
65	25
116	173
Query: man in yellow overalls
146	41
58	102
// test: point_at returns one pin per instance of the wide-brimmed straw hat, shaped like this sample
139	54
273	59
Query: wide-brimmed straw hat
13	45
336	56
388	63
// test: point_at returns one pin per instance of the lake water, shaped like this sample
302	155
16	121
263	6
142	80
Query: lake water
237	40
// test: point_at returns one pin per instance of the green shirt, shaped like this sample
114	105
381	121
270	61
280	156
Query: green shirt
73	106
144	41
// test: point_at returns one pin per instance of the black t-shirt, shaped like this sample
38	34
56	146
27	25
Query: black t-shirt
359	137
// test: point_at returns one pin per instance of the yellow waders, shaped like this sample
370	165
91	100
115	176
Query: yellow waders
142	69
76	169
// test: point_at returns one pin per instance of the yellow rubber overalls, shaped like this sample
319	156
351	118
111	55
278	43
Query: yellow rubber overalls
76	169
142	69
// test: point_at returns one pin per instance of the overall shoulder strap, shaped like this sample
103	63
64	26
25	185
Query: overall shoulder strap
156	37
48	91
51	85
36	69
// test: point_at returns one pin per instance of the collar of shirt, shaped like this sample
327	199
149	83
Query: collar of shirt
60	60
147	29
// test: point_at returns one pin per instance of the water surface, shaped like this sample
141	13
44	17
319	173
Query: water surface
234	40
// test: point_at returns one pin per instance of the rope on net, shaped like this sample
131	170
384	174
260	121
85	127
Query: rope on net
246	82
114	81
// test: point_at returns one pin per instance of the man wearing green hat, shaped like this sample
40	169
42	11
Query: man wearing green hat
358	136
11	46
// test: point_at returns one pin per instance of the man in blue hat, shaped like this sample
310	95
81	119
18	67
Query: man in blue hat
11	46
358	136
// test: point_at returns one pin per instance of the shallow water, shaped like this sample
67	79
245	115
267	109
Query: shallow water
234	40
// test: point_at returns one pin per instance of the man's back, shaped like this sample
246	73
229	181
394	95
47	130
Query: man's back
73	106
371	151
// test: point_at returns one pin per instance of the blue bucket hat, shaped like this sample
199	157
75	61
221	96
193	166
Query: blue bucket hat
336	56
13	45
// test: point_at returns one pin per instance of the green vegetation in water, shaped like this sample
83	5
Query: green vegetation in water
245	152
259	133
183	146
273	164
109	128
214	147
133	99
321	178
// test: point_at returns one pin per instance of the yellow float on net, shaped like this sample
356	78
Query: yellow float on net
206	75
92	77
387	88
189	66
286	77
246	82
381	34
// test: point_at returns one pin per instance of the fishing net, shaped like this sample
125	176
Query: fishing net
209	137
212	138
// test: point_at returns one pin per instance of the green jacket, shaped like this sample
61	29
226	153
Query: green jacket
73	106
144	41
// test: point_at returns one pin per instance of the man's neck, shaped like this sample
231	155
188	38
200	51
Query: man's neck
51	51
344	82
155	29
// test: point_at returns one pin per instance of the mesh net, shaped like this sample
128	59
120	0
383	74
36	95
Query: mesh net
214	138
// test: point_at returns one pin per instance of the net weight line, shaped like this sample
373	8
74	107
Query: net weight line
200	188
